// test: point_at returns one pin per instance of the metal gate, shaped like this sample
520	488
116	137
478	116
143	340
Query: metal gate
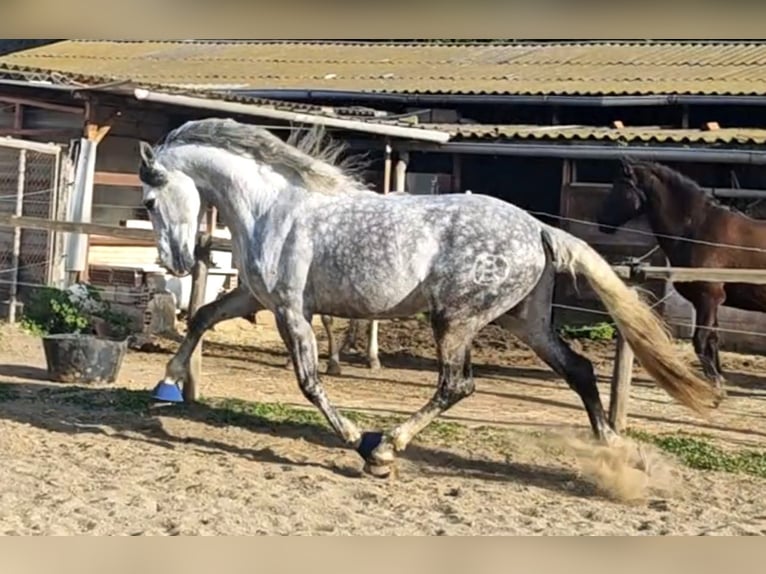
30	182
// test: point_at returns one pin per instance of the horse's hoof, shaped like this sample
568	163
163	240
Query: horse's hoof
721	394
719	386
611	438
374	365
370	441
333	368
167	392
377	470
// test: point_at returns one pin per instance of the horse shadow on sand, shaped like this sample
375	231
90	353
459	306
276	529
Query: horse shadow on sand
27	397
738	384
124	414
403	360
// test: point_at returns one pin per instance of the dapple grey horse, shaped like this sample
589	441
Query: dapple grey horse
312	238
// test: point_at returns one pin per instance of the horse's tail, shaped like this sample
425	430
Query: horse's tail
641	327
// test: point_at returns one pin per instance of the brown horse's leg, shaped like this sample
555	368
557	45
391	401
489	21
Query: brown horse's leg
705	333
712	343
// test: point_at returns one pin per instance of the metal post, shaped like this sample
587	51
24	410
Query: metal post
22	169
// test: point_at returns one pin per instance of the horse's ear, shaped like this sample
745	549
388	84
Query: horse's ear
147	153
626	167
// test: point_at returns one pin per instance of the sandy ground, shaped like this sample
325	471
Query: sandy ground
75	463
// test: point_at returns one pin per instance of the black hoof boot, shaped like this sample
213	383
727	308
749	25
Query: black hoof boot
370	441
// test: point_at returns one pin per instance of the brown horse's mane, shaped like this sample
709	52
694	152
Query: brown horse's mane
674	179
677	180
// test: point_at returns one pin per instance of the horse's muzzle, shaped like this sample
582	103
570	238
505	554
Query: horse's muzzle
181	263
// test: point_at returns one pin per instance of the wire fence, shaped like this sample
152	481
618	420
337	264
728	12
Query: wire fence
649	233
29	185
637	260
38	187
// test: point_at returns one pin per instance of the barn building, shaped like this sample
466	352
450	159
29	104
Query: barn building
540	124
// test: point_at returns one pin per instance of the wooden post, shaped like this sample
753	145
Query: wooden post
15	258
622	377
387	170
401	170
197	300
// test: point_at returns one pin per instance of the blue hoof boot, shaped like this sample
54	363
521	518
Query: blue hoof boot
369	442
167	393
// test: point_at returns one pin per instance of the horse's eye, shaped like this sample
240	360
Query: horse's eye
149	203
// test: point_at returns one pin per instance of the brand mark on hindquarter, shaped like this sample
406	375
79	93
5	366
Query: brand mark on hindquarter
490	269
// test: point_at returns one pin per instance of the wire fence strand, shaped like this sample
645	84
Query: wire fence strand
650	233
45	262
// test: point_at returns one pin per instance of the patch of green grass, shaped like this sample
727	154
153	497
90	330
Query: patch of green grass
123	400
696	452
597	332
231	410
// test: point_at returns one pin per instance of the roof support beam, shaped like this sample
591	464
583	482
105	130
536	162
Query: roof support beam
656	153
420	134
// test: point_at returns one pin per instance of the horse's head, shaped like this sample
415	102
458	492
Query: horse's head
625	201
173	203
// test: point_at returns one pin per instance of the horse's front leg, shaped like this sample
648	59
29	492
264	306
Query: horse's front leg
238	302
298	336
455	383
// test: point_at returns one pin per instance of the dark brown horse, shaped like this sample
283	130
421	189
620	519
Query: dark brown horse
692	230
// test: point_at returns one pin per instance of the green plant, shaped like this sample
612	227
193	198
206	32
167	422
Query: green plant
53	311
597	332
703	455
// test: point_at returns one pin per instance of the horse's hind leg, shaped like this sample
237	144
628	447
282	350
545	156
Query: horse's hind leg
531	322
574	368
453	341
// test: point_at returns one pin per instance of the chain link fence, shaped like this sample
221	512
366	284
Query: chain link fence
29	186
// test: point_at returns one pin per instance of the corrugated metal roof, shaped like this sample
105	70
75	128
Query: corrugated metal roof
740	136
331	111
115	85
597	68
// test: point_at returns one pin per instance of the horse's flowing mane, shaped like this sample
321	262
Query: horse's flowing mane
311	158
676	180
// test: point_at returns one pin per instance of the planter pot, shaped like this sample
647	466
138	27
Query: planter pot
83	358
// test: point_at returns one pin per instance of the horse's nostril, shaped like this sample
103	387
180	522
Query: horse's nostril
149	204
